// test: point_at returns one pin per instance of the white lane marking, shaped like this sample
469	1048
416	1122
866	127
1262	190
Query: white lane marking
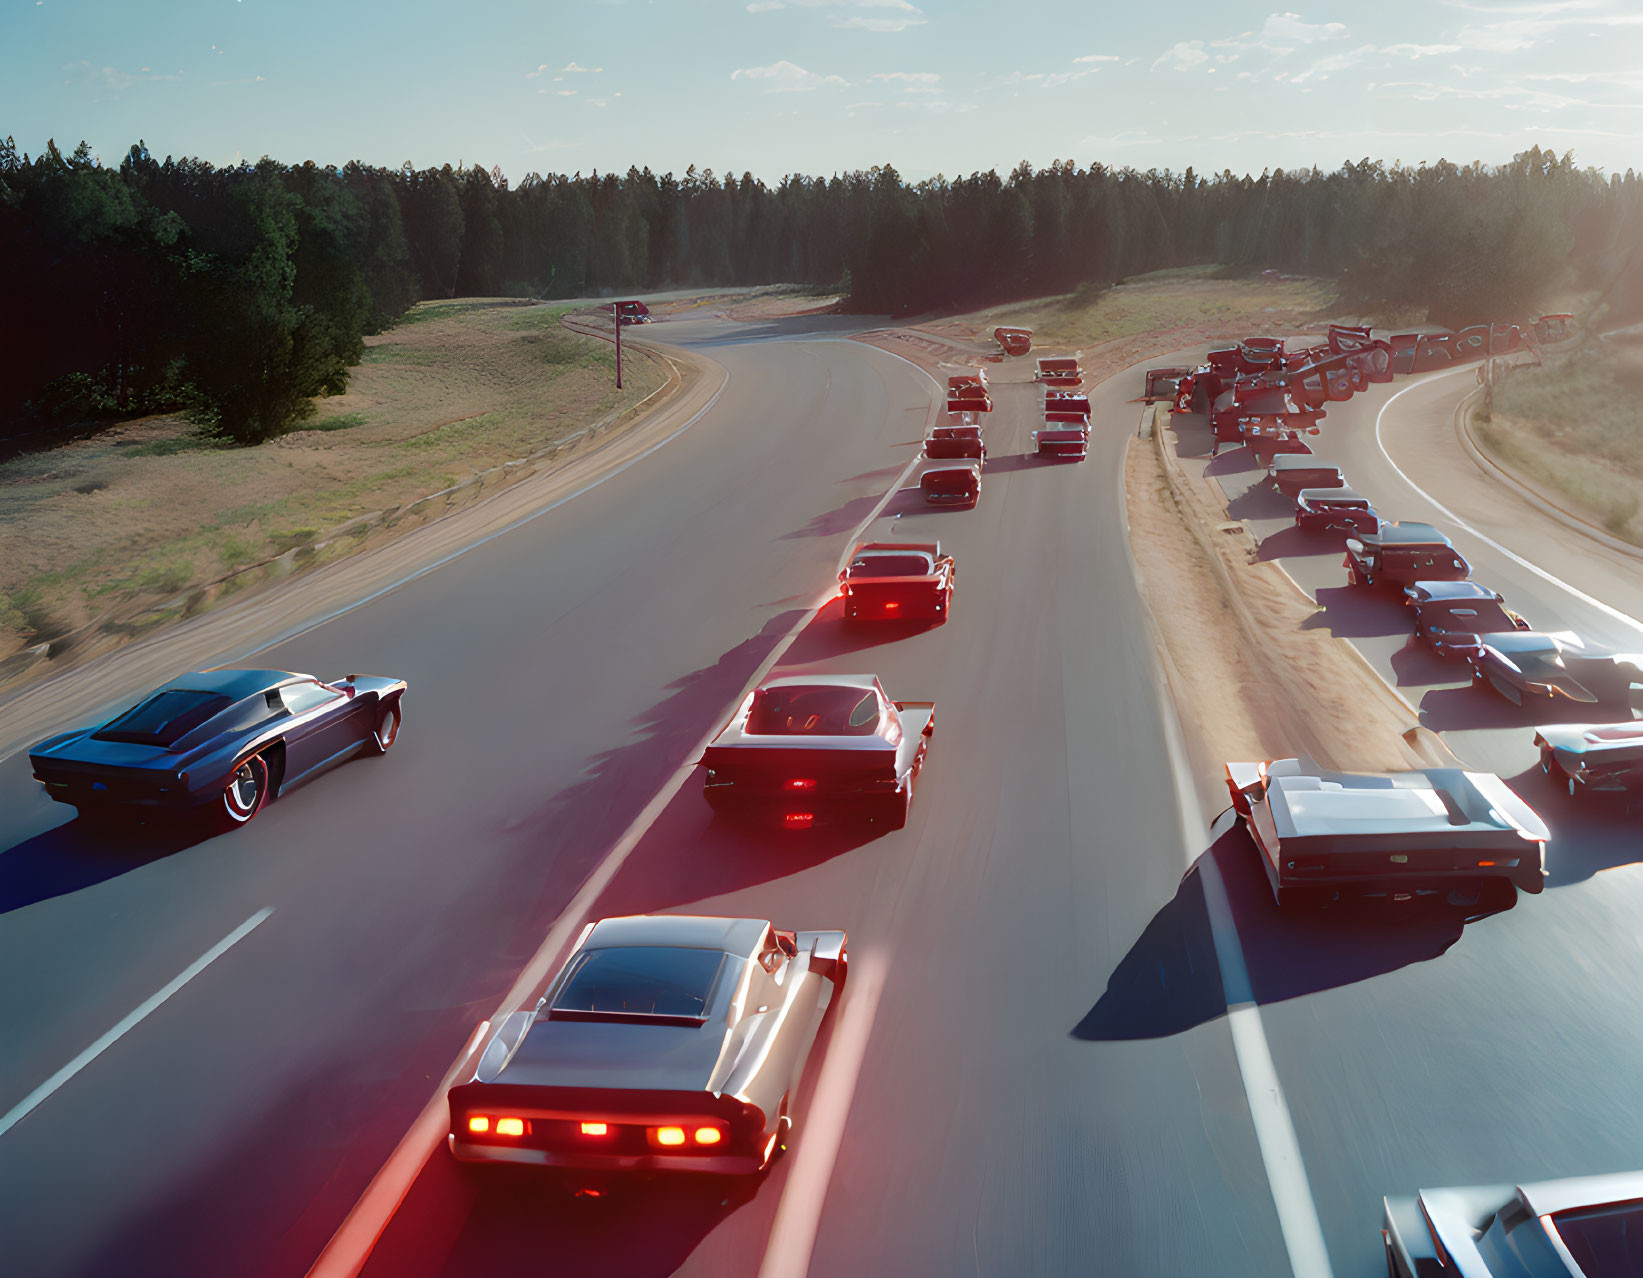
314	623
1518	559
821	1127
40	1094
1274	1131
350	1246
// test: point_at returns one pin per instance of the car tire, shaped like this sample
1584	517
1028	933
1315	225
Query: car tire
386	732
244	794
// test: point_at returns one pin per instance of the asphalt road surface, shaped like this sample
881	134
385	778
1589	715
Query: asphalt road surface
1032	1070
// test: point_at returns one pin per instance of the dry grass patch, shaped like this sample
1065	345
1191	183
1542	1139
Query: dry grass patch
98	531
1575	426
1164	301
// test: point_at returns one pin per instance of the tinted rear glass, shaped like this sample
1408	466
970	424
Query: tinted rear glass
642	981
1606	1242
164	717
816	712
949	481
891	566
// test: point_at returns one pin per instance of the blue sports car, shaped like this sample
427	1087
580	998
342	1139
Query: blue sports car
219	743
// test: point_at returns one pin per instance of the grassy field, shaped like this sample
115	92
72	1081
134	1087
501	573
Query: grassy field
1189	297
95	533
1575	426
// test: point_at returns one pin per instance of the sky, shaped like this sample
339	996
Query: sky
774	87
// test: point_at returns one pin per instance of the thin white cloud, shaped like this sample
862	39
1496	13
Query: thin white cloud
113	78
1323	68
786	77
1098	57
1418	51
910	81
573	66
1182	56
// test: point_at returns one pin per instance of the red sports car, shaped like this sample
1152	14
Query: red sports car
898	581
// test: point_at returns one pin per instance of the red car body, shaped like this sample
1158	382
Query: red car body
1015	341
898	581
958	485
1059	370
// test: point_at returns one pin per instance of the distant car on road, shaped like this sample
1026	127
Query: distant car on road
1401	553
1450	615
1582	1227
1325	509
1292	472
1059	370
1063	437
948	442
803	749
952	485
1066	401
898	581
1015	341
1442	833
219	743
667	1043
1559	663
1593	756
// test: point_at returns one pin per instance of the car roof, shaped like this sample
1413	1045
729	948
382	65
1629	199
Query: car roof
1437	801
1426	590
865	682
973	467
1302	461
237	684
678	931
1407	533
1341	494
1526	641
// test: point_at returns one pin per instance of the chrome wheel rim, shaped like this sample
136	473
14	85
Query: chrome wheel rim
244	789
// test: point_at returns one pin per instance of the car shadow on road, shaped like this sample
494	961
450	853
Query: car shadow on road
829	635
842	519
1259	502
1299	543
1355	612
1192	434
1415	665
82	854
1236	460
1453	709
1171	981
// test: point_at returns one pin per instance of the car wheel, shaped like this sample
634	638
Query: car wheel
387	730
245	793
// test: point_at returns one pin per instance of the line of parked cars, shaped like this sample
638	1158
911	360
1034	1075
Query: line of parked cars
1447	833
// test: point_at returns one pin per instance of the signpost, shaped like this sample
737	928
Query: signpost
616	314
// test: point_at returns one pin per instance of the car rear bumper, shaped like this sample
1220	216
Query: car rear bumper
774	807
1416	884
951	499
711	1165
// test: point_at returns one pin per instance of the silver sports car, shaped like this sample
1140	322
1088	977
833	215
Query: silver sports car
667	1042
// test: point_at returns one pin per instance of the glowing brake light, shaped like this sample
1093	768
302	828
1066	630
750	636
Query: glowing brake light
802	783
670	1135
479	1123
1482	863
594	1129
510	1127
708	1135
891	605
798	820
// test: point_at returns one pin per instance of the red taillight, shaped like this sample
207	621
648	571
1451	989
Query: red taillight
479	1123
670	1136
595	1129
708	1135
891	605
802	783
1482	863
798	820
510	1127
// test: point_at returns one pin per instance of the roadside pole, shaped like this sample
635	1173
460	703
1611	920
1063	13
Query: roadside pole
616	315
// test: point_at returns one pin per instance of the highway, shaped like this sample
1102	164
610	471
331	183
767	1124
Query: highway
1032	1070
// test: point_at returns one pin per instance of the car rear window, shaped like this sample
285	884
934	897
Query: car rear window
943	480
1606	1242
164	718
649	980
814	712
892	566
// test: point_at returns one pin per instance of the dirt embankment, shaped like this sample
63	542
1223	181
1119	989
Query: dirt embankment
1251	680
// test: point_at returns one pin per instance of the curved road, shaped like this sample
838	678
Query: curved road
1032	1070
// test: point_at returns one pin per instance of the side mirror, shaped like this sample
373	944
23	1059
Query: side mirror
843	573
1354	545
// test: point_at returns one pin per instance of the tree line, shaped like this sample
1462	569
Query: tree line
239	294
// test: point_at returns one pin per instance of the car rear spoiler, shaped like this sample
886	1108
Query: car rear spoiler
826	950
1246	782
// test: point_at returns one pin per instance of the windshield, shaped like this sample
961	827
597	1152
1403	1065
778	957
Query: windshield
164	717
816	711
1606	1242
642	981
892	566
